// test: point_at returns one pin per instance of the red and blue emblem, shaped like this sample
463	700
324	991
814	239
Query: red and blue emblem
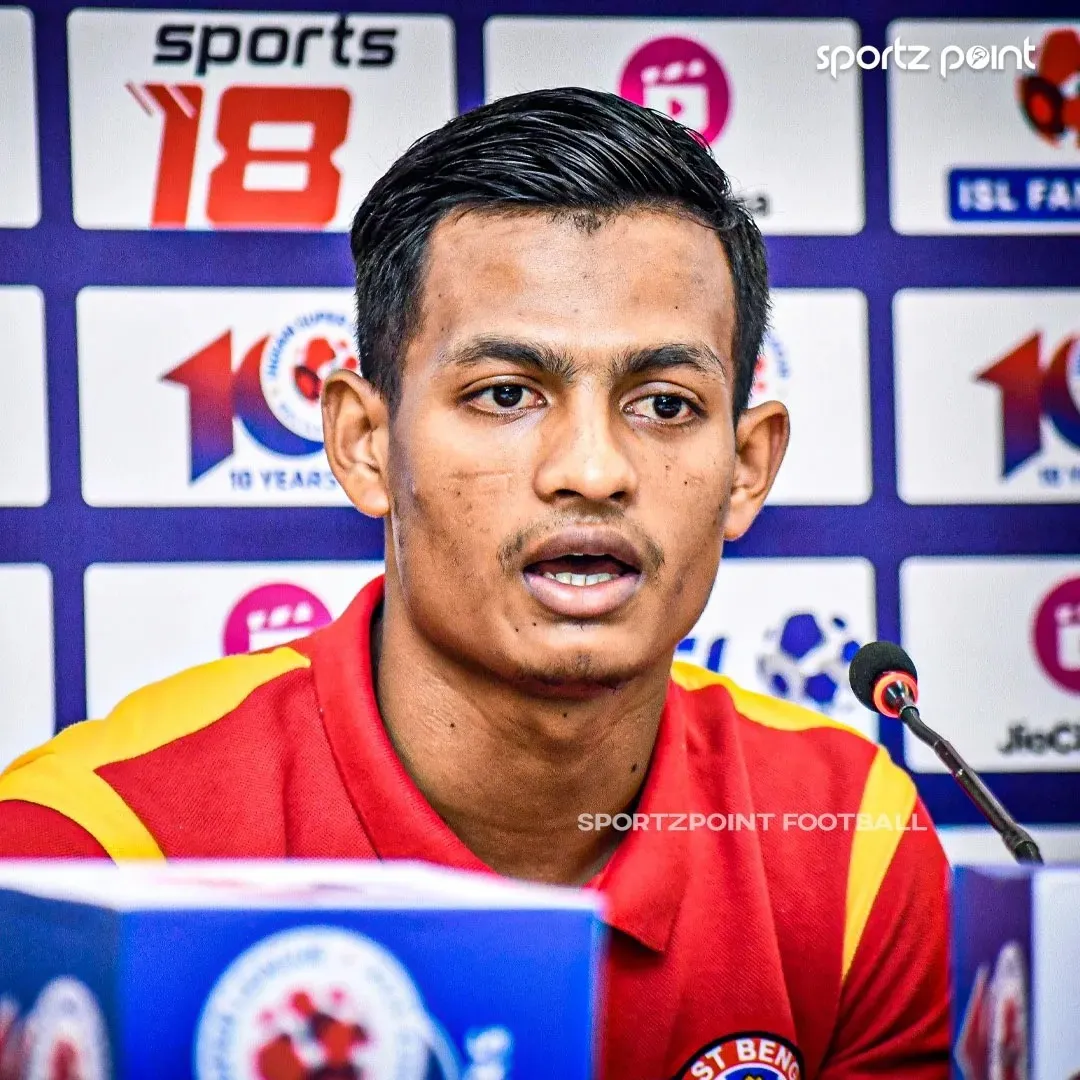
752	1055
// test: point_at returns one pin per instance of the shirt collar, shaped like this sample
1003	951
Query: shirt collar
643	882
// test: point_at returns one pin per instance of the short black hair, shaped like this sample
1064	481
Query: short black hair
573	150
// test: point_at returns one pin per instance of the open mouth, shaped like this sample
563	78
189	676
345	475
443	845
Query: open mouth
581	571
585	584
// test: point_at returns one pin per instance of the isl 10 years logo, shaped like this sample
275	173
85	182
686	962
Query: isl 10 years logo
1037	395
274	392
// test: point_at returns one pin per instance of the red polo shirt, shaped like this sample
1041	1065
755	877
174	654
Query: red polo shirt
778	904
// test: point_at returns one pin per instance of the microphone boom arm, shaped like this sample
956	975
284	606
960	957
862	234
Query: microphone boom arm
1019	842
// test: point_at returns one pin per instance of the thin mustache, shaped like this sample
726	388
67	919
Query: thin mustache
509	550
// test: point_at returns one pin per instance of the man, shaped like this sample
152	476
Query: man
560	306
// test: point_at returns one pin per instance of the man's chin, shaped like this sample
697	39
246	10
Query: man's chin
567	689
579	677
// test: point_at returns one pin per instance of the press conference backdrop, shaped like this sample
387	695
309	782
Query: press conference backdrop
175	187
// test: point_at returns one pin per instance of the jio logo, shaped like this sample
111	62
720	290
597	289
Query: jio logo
681	78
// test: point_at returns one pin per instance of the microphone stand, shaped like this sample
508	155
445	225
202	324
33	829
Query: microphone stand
897	696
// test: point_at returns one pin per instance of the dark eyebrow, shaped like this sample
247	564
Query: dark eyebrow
640	361
560	365
526	354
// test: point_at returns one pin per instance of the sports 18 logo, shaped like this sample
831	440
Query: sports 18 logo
183	120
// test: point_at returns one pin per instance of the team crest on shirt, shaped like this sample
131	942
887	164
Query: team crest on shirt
750	1055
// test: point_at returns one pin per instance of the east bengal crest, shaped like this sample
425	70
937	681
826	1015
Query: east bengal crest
750	1055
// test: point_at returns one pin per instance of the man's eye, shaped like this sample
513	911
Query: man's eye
506	397
662	407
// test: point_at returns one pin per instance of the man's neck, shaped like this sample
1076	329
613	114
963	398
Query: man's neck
512	774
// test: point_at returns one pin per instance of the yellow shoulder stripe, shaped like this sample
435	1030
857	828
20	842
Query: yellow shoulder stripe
81	795
61	774
888	800
888	797
760	708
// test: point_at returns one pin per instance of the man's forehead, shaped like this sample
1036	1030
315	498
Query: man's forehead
504	237
640	278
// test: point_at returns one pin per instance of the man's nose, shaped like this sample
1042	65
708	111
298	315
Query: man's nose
586	452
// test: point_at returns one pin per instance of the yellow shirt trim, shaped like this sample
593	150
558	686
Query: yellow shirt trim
60	775
888	800
86	799
888	797
760	708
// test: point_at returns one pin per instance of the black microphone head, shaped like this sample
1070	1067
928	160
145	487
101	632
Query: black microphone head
871	662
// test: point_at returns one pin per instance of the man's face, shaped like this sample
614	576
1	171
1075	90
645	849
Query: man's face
559	470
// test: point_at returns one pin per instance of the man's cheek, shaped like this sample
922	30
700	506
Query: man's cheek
698	497
692	532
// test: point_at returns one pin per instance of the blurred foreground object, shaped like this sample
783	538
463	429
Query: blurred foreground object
285	971
1016	971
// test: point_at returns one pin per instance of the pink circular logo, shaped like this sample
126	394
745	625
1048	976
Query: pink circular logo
681	78
273	615
1057	635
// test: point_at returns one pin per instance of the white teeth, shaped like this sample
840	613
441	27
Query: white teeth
580	579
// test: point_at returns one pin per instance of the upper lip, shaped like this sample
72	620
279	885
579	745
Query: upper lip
586	540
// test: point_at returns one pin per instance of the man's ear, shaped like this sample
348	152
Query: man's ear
761	439
356	431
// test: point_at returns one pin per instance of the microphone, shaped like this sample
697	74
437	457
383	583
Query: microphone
885	680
